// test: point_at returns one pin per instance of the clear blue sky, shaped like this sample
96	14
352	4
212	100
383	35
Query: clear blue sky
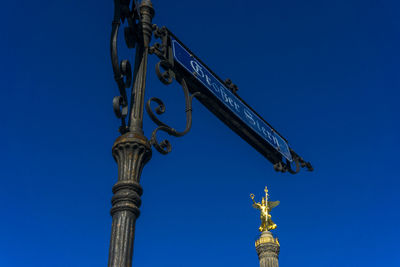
323	73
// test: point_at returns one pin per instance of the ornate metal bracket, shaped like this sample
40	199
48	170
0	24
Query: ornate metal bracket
297	161
122	69
164	68
166	74
164	147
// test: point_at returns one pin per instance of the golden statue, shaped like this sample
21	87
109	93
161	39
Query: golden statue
265	207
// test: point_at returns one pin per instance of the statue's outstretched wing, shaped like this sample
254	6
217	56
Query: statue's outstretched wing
273	204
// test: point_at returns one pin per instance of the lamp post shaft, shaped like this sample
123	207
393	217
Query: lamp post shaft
136	116
131	151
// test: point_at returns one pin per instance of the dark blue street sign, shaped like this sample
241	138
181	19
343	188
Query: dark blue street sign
229	100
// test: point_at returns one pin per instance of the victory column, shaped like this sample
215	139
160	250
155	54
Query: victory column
266	245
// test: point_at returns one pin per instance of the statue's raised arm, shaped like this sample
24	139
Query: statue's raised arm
255	204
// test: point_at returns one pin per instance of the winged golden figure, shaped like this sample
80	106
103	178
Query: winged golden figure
265	207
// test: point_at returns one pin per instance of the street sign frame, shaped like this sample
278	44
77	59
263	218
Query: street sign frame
221	98
229	99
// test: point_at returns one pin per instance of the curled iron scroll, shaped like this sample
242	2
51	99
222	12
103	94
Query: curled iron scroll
122	69
164	147
289	166
298	162
166	76
164	68
120	103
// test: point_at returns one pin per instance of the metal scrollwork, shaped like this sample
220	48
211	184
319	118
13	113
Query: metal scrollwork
163	51
288	166
122	69
298	162
166	76
164	147
165	73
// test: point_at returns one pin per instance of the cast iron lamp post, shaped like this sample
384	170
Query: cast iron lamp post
131	150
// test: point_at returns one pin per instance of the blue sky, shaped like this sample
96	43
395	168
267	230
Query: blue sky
323	73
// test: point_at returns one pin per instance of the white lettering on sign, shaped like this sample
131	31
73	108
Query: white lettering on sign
215	87
229	100
197	68
208	80
249	117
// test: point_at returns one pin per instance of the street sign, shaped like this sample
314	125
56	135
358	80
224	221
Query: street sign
225	97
